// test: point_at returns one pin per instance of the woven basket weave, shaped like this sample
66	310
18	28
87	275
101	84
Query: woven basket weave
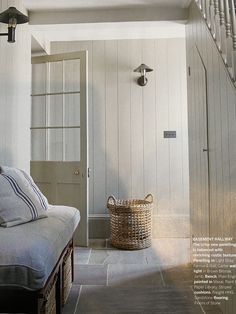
131	222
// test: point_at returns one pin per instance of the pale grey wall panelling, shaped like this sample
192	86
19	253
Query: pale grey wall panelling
162	118
149	121
124	116
128	155
218	210
184	128
225	150
112	148
177	109
231	215
136	121
99	122
222	133
15	85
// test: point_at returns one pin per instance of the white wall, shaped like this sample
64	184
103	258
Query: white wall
128	155
15	88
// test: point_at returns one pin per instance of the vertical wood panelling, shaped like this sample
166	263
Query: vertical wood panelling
225	149
112	152
222	132
184	129
124	116
232	159
136	93
128	155
99	124
15	84
149	120
175	117
162	122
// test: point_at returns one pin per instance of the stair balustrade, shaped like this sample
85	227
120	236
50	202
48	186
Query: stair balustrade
220	17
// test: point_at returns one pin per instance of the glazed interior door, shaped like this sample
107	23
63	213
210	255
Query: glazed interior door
59	154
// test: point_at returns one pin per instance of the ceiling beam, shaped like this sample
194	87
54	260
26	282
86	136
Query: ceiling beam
108	15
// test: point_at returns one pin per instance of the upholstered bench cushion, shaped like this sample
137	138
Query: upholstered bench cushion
29	252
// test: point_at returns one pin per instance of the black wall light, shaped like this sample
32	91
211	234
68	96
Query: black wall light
12	17
143	69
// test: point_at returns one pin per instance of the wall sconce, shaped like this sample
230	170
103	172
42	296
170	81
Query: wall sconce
12	17
143	69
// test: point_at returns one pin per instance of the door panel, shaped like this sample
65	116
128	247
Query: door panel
201	210
59	132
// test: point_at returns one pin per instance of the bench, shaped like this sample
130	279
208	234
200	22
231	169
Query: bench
36	263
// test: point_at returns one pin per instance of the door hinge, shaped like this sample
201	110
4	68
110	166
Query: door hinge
189	71
89	172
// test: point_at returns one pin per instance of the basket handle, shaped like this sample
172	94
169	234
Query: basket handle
111	200
149	196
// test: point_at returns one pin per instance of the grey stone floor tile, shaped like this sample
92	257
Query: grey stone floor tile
148	300
70	305
118	256
172	251
134	275
90	274
175	276
81	255
212	309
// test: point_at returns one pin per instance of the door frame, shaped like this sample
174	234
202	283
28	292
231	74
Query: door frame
208	139
84	157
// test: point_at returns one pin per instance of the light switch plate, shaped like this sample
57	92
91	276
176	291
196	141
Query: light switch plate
169	134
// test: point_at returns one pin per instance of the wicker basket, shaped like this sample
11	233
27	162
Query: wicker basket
66	276
49	301
131	222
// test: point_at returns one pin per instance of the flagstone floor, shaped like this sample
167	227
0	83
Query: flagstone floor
153	280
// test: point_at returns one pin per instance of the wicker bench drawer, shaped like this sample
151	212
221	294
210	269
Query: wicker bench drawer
49	302
66	276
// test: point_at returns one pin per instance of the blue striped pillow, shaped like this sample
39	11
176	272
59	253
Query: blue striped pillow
20	199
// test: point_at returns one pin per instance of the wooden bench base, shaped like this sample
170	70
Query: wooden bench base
49	299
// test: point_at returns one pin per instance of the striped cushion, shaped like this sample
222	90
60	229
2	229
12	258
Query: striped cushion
20	199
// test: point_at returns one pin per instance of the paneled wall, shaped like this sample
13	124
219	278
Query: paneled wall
219	218
221	102
129	157
15	88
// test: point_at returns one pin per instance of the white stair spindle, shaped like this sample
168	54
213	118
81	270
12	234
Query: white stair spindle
200	4
207	10
204	8
222	30
229	41
212	17
217	23
233	28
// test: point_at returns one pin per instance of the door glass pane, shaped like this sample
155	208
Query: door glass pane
72	75
55	110
56	77
72	144
39	78
38	114
38	145
72	110
55	145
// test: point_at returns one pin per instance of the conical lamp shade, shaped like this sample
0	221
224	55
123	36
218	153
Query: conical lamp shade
12	12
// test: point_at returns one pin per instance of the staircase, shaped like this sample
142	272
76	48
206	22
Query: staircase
220	18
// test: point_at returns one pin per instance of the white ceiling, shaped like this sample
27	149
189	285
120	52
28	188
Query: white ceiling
71	20
34	5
